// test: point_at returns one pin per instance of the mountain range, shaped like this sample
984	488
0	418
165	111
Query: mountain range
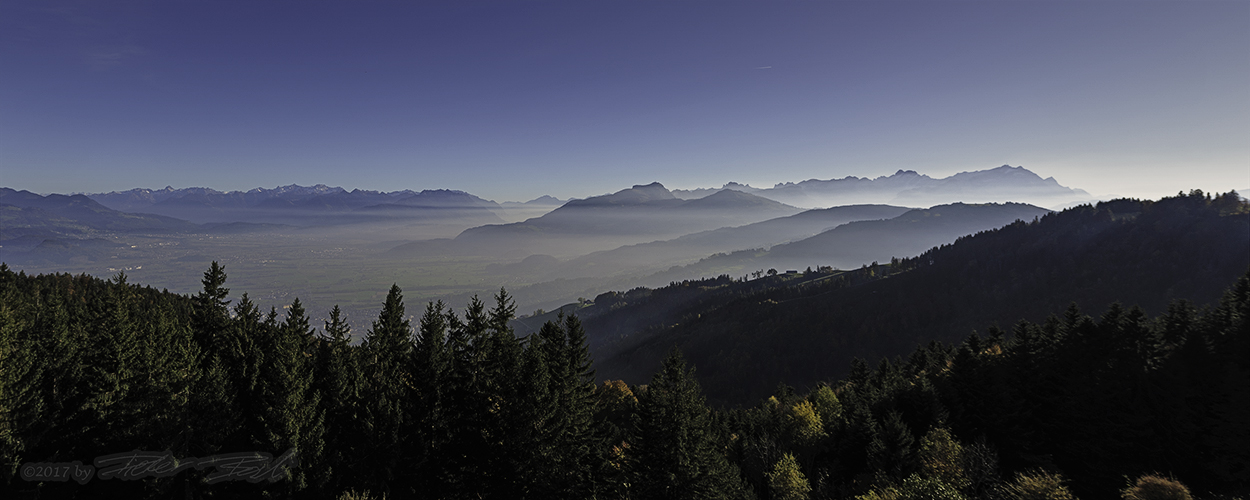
858	241
326	205
28	220
911	233
692	247
639	235
909	188
861	242
318	205
639	214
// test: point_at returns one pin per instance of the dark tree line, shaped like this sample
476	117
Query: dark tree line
1089	400
455	406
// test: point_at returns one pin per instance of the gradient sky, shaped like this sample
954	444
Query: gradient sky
513	100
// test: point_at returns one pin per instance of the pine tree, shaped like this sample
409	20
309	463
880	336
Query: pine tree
429	367
208	422
60	352
469	404
169	364
387	349
676	455
558	399
290	412
20	402
891	450
111	371
337	379
581	451
533	437
1228	328
514	391
242	353
210	318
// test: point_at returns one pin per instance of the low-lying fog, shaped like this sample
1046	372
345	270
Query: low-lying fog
329	246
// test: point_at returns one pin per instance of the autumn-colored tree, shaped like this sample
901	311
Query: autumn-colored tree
942	457
786	481
1155	487
1037	485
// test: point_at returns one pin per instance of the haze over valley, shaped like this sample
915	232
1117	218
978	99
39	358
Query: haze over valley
803	250
328	245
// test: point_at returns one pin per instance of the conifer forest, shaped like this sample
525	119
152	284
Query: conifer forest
110	389
625	250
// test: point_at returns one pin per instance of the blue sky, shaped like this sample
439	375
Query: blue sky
518	99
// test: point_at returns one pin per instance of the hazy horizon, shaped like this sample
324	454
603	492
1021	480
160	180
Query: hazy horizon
513	101
1093	195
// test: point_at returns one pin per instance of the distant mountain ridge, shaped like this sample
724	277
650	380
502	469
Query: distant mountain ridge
909	188
861	242
847	238
304	205
516	211
639	214
137	199
58	225
691	247
77	214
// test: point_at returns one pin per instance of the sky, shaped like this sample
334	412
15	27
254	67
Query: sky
513	100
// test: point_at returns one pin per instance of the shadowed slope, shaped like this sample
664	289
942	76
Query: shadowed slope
747	337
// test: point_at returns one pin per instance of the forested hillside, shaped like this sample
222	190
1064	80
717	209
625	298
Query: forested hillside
456	405
746	336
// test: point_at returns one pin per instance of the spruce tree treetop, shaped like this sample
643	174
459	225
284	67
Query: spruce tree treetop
214	293
677	455
503	312
391	332
210	315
